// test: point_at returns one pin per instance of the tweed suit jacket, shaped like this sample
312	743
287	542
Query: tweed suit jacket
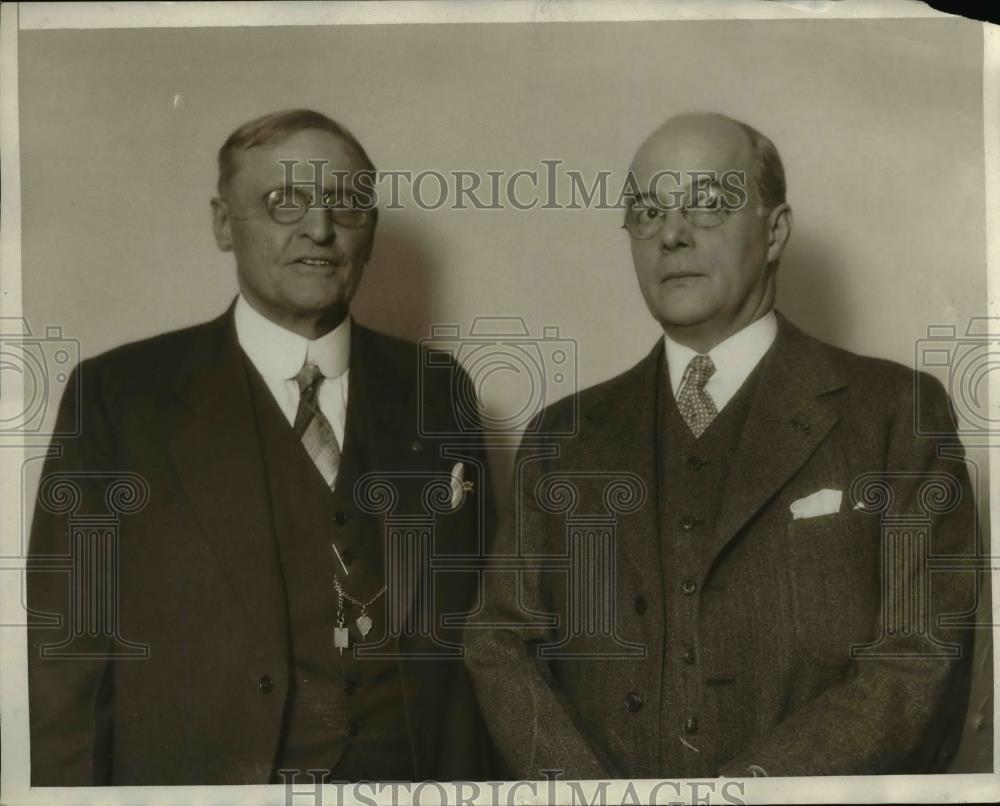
781	601
199	581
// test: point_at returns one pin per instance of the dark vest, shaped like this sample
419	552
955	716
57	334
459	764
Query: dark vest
345	716
691	484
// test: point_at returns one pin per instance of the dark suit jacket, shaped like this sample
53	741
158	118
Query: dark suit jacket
780	601
200	581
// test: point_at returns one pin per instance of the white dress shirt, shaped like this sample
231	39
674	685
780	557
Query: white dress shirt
279	354
734	359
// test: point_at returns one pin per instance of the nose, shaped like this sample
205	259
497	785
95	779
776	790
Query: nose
317	224
675	232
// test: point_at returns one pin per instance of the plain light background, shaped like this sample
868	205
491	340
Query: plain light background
879	124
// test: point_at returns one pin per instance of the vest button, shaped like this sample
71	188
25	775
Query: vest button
640	605
417	446
340	517
347	556
265	685
351	688
695	463
691	725
688	657
352	728
688	523
633	702
689	586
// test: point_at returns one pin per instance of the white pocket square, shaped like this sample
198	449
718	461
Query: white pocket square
821	502
459	486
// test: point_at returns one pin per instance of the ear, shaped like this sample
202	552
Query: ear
221	225
779	227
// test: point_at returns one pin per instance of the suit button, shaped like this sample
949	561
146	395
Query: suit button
352	728
265	685
688	523
691	726
689	586
640	605
688	657
695	463
340	517
351	688
347	556
633	702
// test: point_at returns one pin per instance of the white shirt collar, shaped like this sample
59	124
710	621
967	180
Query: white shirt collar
278	354
734	358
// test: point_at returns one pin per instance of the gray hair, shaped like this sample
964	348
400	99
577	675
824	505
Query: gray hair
274	128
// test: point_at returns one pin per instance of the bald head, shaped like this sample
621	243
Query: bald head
714	142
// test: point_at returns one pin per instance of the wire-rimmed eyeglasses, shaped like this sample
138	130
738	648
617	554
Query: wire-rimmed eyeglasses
702	206
289	205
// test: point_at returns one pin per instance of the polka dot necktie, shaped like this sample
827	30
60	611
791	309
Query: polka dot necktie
695	405
313	428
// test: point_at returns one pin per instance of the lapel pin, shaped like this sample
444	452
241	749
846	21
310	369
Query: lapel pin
459	485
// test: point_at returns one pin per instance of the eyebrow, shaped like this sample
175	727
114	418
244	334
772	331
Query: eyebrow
347	189
645	197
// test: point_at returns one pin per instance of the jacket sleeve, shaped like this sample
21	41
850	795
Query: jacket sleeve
69	680
533	727
896	714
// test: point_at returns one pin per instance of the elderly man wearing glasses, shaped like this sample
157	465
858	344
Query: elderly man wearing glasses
253	573
751	613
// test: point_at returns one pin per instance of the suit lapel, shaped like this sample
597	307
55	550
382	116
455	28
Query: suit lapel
380	405
383	413
216	454
788	419
623	428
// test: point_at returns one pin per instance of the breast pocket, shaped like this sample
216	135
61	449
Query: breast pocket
834	580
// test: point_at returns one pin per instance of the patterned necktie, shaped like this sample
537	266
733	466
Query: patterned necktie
696	406
313	428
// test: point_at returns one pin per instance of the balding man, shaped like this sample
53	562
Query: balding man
753	626
245	585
